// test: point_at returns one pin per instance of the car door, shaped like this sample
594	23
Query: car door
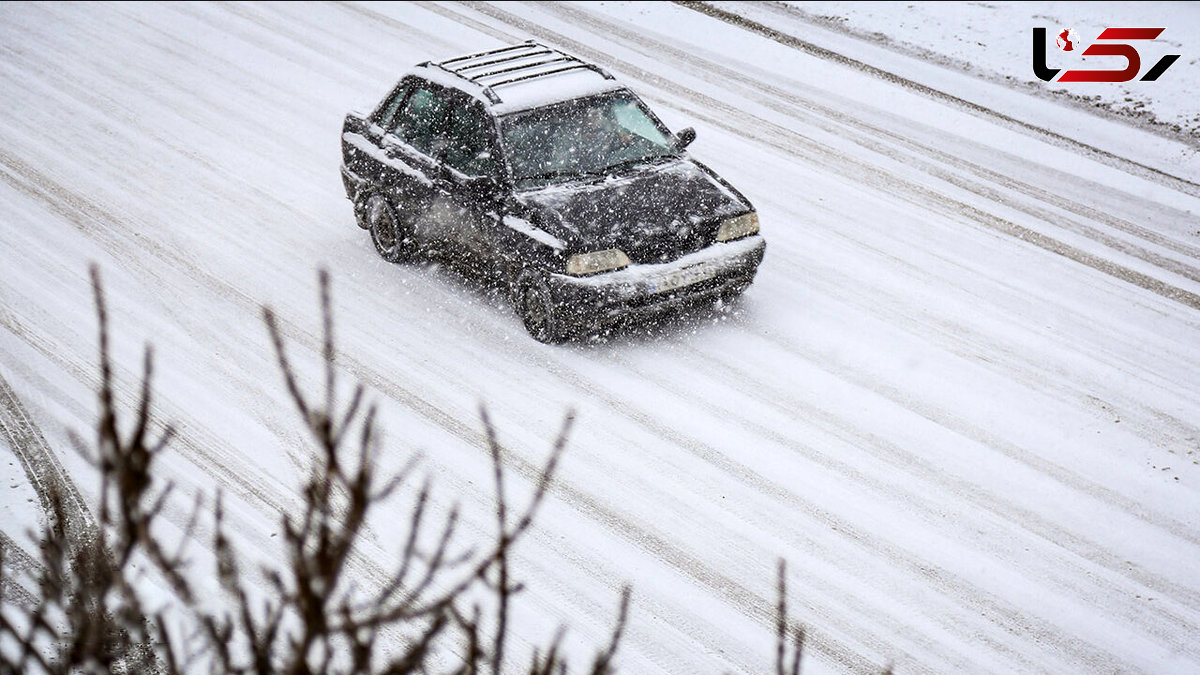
463	203
409	169
362	142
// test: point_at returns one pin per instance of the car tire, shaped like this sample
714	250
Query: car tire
391	235
535	305
732	295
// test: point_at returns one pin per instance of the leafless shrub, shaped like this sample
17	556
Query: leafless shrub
88	616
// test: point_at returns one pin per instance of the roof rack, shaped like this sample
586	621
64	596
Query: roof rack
516	63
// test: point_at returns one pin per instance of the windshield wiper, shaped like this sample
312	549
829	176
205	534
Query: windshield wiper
563	173
557	173
634	162
593	173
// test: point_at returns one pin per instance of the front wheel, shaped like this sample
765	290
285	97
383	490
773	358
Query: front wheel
731	296
535	305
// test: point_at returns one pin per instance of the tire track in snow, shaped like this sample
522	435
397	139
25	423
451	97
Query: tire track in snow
1083	582
45	474
106	229
373	17
962	339
18	561
1001	613
969	342
41	465
1087	212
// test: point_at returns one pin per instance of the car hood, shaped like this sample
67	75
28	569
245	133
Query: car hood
654	213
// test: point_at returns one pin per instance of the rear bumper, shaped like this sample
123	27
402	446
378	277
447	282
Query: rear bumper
723	269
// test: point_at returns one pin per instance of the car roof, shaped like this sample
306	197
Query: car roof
520	77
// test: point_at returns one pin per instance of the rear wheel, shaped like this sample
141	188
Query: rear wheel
536	308
391	235
360	211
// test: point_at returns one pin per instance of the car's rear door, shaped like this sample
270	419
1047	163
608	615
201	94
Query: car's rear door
362	141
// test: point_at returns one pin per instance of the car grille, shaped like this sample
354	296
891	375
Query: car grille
665	249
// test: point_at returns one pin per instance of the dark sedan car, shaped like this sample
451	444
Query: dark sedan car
540	171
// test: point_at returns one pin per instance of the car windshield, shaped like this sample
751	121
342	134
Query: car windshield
583	137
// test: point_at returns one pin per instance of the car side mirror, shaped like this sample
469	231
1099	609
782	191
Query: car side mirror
684	138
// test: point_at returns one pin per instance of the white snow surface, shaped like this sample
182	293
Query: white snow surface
992	41
961	399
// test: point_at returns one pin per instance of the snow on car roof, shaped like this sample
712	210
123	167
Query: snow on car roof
522	76
552	89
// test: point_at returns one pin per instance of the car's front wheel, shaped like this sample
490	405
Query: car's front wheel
535	304
392	236
732	295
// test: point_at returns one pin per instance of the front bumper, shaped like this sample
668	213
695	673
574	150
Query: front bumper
723	269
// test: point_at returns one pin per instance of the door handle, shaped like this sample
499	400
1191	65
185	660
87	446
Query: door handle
443	178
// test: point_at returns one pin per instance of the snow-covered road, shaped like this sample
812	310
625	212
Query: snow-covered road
962	399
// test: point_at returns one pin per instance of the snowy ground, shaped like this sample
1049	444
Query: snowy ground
961	399
991	41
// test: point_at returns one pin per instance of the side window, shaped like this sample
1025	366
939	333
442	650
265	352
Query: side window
386	113
421	119
468	140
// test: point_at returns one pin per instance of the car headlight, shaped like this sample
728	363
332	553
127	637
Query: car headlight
583	264
738	227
